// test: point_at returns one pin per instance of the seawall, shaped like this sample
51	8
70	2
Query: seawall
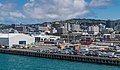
88	59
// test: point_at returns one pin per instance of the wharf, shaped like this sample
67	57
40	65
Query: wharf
88	59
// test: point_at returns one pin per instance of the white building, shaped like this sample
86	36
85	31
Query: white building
15	39
94	29
43	37
101	27
108	36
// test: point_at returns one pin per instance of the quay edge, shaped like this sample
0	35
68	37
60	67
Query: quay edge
88	59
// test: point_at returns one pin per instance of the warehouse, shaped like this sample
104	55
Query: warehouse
15	39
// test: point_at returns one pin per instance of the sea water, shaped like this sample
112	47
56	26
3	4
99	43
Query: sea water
15	62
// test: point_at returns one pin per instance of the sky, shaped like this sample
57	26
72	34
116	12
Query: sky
38	11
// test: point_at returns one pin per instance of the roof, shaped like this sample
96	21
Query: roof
47	36
107	34
9	35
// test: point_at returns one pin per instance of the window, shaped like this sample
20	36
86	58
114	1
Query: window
37	39
41	40
22	42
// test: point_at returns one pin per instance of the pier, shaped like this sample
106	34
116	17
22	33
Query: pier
88	59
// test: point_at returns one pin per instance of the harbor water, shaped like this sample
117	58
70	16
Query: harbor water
15	62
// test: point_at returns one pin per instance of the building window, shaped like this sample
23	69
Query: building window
37	39
41	40
22	42
51	39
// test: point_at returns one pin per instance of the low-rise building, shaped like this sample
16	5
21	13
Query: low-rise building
15	39
43	37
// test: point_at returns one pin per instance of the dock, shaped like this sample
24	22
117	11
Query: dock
78	58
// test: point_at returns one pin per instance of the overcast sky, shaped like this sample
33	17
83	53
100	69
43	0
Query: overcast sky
34	11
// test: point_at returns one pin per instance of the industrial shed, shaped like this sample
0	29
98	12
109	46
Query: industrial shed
15	39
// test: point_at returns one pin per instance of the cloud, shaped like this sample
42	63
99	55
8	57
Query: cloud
7	7
17	14
1	18
9	10
39	10
55	9
97	3
9	13
0	4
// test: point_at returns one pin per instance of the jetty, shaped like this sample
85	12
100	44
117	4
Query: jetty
88	59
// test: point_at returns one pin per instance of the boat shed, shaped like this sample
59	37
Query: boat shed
11	39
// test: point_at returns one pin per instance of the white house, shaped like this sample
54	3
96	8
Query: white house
15	39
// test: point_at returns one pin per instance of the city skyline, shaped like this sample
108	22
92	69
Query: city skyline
34	11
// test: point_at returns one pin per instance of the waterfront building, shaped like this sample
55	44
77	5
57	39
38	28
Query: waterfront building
43	38
15	39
